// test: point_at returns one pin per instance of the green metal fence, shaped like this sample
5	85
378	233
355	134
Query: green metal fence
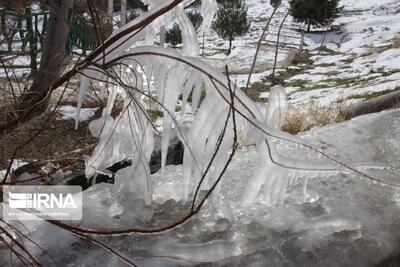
22	33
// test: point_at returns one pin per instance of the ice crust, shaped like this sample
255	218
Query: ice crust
345	220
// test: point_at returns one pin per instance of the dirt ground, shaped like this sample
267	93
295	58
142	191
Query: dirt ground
55	141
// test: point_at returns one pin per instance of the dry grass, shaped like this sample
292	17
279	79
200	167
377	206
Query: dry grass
57	141
396	43
306	118
302	58
254	90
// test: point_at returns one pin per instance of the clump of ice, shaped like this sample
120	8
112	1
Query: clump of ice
70	113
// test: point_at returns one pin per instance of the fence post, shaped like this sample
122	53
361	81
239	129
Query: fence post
123	12
36	30
44	28
19	25
3	21
31	38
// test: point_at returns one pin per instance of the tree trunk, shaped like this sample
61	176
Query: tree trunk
309	26
12	121
204	43
162	35
110	10
123	12
373	105
52	65
230	45
277	48
3	22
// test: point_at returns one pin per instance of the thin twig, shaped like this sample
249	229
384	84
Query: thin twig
263	35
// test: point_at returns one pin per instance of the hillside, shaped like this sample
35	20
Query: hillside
360	53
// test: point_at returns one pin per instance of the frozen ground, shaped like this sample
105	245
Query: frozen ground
343	220
244	47
361	56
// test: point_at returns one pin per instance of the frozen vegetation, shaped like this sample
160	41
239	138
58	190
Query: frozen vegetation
342	220
328	197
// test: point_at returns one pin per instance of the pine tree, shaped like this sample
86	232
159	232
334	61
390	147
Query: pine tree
231	20
315	13
275	3
174	36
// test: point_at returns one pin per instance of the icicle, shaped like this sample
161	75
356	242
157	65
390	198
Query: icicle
84	86
189	35
190	84
208	10
174	82
277	106
196	95
96	126
305	188
253	188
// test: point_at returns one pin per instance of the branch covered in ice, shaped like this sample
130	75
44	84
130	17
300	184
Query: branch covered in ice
146	77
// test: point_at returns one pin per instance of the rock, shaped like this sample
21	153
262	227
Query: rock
175	157
78	176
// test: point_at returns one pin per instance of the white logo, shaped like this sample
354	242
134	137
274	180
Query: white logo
20	200
40	200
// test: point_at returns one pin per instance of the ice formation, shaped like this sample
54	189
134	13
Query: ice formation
137	73
208	10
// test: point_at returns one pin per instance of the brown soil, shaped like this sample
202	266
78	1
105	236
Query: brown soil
58	142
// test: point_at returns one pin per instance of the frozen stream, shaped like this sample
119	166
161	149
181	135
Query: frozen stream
344	220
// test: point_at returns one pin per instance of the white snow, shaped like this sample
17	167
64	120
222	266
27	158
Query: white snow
362	61
70	113
17	163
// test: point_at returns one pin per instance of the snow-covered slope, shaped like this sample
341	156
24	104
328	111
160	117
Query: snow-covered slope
244	47
361	53
360	57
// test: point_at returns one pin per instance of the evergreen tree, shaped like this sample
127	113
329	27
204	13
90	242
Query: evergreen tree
275	3
174	35
231	20
314	12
